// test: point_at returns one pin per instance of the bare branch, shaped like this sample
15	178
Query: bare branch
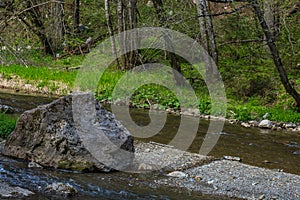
15	16
215	14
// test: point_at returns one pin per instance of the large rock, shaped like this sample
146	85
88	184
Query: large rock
53	135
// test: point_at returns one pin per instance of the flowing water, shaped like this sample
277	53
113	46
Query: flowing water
264	148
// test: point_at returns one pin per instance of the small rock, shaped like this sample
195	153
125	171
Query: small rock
210	182
6	109
232	158
198	178
207	117
253	123
267	161
61	189
34	165
296	152
293	145
262	197
290	125
177	174
246	125
265	124
232	121
296	129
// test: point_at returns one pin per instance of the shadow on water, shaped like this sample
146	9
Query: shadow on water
264	148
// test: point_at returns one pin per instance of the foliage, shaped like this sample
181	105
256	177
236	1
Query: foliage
7	124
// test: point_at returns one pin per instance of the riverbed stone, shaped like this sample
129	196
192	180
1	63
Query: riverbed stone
6	109
246	125
61	189
49	136
290	126
265	124
11	192
177	174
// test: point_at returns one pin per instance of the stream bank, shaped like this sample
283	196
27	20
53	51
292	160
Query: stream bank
16	85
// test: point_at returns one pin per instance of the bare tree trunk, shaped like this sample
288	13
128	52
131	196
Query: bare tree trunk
127	19
76	17
212	37
37	25
272	15
161	15
110	31
207	38
121	28
55	29
132	24
275	54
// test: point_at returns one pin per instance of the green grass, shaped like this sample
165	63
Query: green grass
7	124
43	74
249	111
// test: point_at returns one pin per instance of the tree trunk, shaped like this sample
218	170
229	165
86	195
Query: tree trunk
272	15
275	54
110	31
207	38
127	19
161	15
55	29
47	23
133	55
37	25
121	28
76	17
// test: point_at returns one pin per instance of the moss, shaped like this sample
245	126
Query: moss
75	165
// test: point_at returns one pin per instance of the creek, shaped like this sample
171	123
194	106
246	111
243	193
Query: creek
258	147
